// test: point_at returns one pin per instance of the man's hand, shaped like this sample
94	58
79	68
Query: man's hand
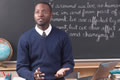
61	73
38	75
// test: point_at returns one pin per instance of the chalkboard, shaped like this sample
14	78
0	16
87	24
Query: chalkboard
93	25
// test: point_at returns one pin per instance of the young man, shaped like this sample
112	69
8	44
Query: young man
44	52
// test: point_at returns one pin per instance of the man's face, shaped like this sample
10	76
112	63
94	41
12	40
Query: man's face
42	14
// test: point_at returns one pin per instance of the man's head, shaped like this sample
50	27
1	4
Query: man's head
42	14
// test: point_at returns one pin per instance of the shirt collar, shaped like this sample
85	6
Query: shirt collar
47	31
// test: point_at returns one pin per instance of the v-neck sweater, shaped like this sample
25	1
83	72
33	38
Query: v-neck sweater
50	53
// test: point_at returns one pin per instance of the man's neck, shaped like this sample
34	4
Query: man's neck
43	27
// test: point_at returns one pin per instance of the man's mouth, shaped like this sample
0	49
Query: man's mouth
40	20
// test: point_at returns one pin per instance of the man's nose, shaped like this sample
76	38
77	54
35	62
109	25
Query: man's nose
41	14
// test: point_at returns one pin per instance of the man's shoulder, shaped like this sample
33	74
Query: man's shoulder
59	31
27	33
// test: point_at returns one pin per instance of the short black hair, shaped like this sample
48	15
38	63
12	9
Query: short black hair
41	2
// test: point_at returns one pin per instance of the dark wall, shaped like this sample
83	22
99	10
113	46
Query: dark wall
16	17
93	25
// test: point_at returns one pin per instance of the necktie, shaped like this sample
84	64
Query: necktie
44	34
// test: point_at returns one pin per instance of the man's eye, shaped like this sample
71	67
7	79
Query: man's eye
36	11
45	12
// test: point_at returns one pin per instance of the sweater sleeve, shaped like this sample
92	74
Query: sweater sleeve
23	62
68	60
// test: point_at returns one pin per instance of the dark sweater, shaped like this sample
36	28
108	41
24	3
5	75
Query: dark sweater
49	53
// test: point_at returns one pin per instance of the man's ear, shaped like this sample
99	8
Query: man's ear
51	15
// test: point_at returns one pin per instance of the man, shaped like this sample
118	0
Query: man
44	52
